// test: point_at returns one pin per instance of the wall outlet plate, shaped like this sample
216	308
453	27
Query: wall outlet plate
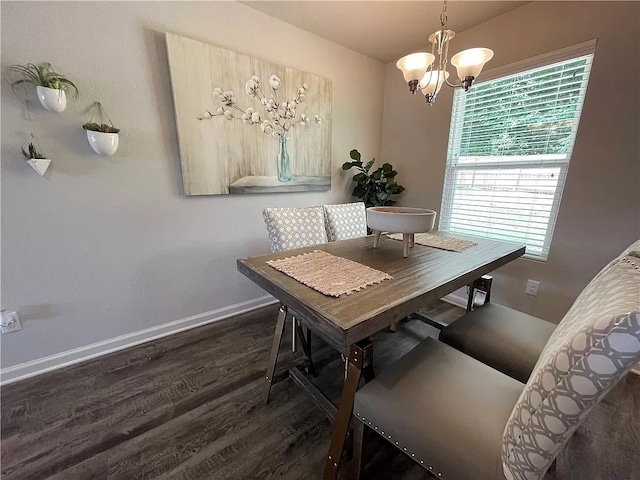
9	322
532	287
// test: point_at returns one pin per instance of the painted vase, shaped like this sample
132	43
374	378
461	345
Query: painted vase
284	167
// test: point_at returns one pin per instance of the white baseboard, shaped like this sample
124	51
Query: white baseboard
39	366
457	300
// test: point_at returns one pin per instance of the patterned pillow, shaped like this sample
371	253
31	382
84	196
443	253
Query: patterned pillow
290	228
345	221
596	343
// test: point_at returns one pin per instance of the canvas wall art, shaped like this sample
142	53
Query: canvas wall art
246	125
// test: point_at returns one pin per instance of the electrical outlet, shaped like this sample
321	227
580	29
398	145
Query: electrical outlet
9	322
532	287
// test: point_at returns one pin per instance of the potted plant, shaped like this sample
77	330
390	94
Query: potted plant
373	188
102	137
35	159
50	85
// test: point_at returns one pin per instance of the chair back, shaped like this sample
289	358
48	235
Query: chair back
290	228
596	343
345	221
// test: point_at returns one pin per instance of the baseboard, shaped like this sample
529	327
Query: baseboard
39	366
457	300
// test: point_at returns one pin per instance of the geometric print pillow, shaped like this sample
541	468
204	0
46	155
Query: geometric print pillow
345	221
290	228
596	343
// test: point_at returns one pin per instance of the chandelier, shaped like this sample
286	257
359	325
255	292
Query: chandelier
428	71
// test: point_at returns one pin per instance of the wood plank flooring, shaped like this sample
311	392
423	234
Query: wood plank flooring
187	407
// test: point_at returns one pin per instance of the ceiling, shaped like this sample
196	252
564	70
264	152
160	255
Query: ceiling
384	30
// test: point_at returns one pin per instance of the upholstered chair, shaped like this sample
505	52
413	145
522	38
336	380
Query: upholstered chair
461	419
290	228
345	221
505	339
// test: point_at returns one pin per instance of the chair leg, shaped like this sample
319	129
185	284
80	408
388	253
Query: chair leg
358	448
271	366
482	284
367	372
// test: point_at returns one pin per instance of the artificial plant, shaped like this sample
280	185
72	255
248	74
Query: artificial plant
42	76
32	153
373	188
102	127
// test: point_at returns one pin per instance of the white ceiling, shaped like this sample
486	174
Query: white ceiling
384	30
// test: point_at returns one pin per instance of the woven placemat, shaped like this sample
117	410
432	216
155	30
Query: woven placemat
438	241
328	274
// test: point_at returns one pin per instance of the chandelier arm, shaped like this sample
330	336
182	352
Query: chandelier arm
452	85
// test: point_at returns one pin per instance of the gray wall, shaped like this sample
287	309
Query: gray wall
600	211
103	247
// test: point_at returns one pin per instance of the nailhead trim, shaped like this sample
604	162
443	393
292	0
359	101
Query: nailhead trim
404	449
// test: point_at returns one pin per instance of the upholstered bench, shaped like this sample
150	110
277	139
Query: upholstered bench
503	338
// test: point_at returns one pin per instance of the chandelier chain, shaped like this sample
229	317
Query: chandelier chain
443	15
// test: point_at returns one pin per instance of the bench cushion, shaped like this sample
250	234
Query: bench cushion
444	409
505	339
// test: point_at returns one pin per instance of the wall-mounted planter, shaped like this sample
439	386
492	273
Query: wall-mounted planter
52	99
103	143
40	165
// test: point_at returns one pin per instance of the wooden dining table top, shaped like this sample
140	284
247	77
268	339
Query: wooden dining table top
419	280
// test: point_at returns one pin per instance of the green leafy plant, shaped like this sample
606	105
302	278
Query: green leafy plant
32	153
42	76
102	127
373	188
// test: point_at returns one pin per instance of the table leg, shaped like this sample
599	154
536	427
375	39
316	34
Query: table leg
294	340
376	239
405	245
306	347
358	448
412	241
359	359
271	366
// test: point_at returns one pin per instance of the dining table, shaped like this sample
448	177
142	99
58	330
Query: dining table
348	322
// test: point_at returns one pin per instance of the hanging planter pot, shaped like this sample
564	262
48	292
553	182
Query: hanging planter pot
52	99
102	137
35	159
40	165
103	143
50	85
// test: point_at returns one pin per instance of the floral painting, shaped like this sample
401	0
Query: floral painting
246	125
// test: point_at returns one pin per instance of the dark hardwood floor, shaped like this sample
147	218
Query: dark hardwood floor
188	407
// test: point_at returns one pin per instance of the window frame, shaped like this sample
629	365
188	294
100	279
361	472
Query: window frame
539	61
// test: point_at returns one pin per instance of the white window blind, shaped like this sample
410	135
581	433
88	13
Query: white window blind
509	149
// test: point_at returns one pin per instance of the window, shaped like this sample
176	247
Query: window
509	149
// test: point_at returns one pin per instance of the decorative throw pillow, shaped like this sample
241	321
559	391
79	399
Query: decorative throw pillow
596	343
290	228
345	221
